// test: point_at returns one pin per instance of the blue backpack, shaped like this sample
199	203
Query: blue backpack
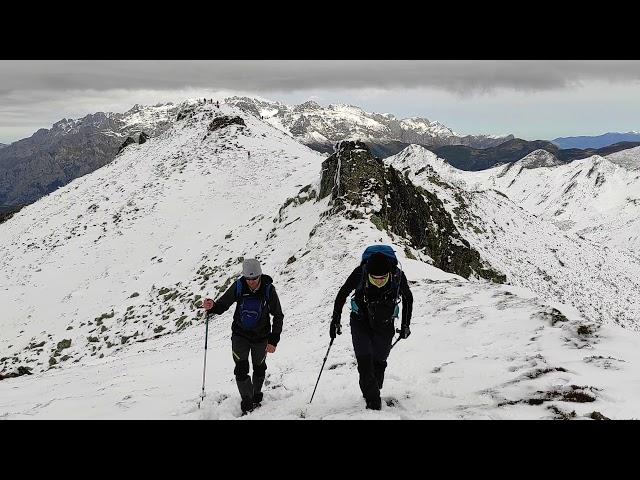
384	310
386	250
251	305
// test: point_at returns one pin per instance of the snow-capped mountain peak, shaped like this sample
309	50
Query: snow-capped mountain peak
321	127
424	126
629	159
538	159
420	161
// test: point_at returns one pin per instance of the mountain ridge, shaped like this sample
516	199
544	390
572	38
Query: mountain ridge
596	141
125	255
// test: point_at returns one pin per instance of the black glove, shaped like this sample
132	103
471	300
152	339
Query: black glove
404	331
335	328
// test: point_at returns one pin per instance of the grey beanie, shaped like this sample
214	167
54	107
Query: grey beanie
251	268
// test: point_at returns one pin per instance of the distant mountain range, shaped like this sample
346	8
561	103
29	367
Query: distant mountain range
474	159
597	197
321	127
36	166
598	141
33	167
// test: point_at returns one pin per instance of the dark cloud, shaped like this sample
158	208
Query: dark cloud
35	94
264	76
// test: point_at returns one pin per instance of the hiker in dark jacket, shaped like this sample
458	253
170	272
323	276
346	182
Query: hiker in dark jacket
252	332
373	310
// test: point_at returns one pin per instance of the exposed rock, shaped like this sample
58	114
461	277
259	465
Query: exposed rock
139	138
6	212
224	121
63	344
358	183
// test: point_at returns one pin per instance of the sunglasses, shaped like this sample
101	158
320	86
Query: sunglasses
379	278
252	278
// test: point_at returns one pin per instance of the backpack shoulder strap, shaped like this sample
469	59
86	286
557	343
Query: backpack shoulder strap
267	292
363	278
238	288
397	275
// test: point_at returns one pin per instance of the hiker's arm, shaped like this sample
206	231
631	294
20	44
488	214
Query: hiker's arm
276	310
350	285
226	300
407	300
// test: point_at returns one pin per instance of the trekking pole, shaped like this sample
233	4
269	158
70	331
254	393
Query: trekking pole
206	338
325	360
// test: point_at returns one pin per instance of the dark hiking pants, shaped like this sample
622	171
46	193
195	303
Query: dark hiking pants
372	349
241	348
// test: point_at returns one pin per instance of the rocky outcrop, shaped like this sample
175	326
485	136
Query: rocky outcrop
18	373
224	121
139	138
6	212
359	183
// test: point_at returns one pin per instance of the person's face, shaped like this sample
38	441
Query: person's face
253	283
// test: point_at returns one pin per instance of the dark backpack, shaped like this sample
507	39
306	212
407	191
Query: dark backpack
383	310
251	305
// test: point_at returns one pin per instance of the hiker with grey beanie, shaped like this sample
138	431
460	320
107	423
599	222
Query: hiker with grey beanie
252	332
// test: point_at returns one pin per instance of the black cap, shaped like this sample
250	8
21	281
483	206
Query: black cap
378	265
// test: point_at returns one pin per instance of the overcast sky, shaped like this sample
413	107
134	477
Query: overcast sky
531	99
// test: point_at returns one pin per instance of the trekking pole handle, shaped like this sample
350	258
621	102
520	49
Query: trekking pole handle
397	340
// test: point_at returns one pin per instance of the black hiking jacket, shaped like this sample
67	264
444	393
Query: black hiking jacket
264	330
354	281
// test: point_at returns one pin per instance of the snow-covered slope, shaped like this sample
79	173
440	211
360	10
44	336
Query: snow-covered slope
593	197
97	258
629	159
601	281
477	351
538	158
104	276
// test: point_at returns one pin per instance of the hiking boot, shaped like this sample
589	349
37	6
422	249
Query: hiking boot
374	404
257	398
246	406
